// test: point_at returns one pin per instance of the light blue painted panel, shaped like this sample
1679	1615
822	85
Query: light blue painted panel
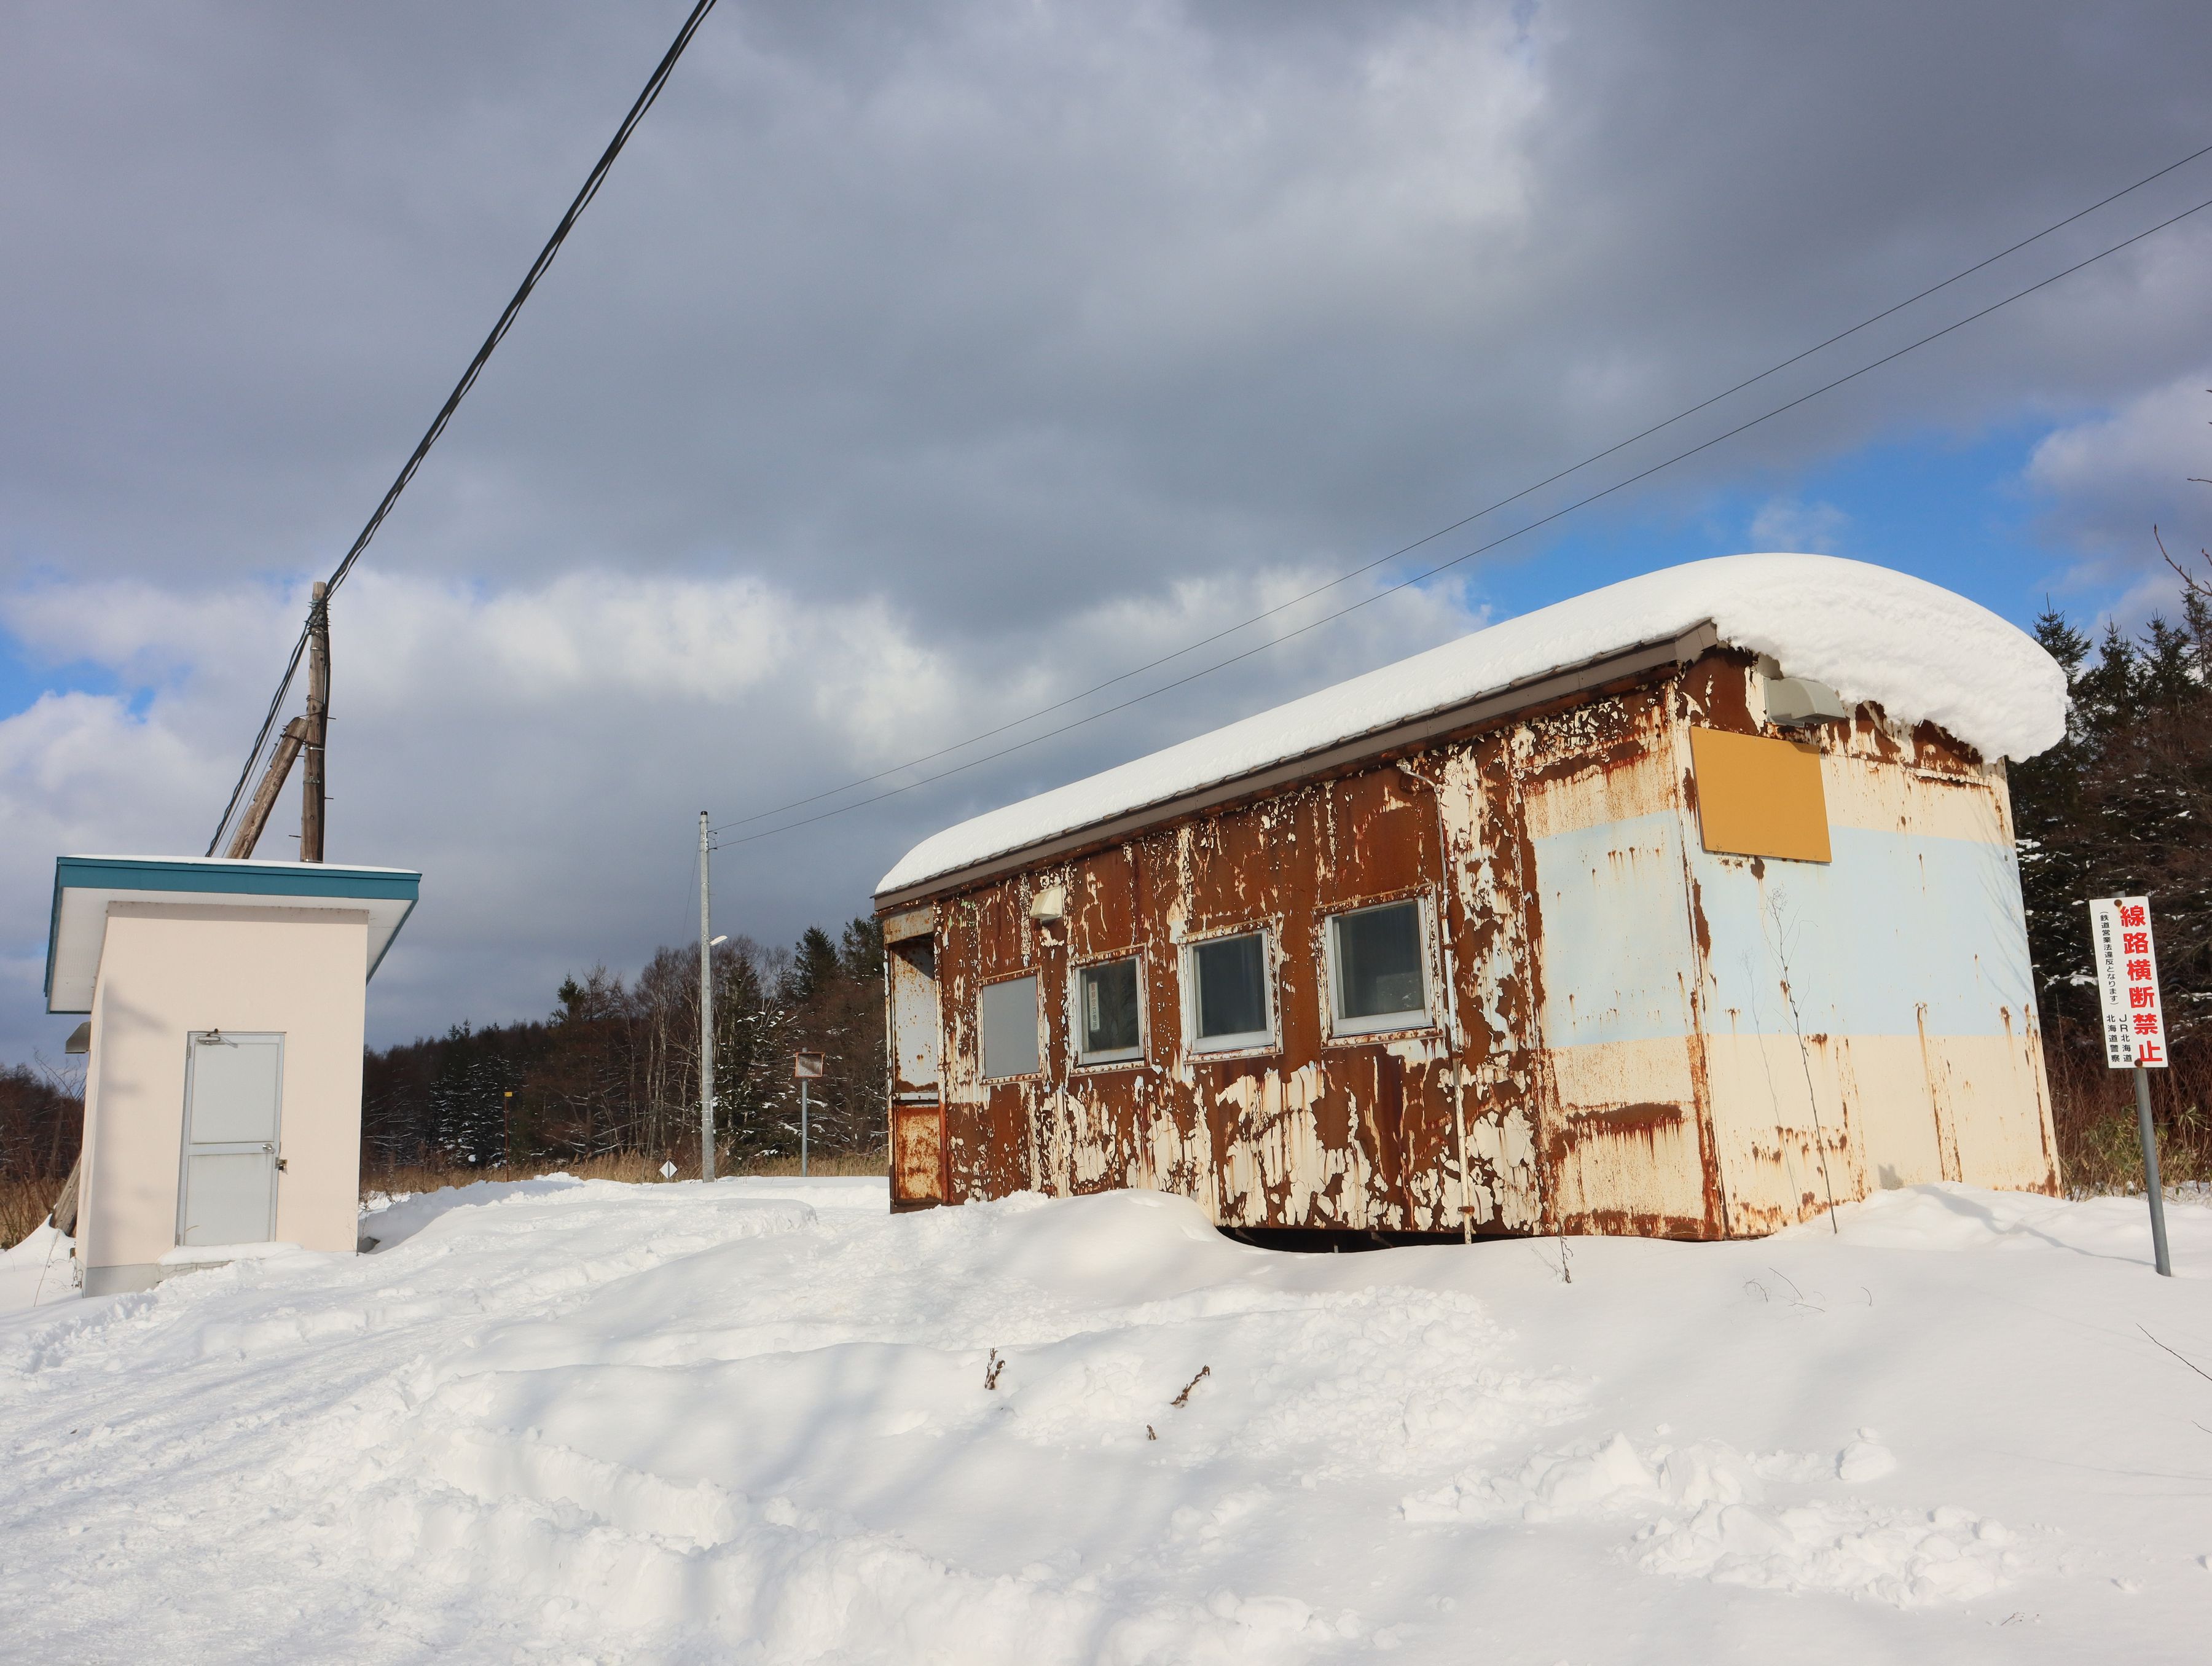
1617	960
1895	922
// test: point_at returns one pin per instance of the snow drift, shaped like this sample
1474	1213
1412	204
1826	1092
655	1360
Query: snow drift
564	1420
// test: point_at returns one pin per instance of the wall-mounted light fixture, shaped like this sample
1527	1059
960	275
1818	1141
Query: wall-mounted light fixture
1797	702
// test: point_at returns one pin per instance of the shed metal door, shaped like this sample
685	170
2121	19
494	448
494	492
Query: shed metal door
227	1192
911	967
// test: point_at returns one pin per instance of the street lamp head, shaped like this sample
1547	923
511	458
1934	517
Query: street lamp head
716	942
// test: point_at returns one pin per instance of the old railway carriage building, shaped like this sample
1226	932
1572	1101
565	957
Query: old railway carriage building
1682	908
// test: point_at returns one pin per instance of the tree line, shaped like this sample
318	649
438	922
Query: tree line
2122	806
614	1067
41	1120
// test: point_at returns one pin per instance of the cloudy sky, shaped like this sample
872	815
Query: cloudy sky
924	365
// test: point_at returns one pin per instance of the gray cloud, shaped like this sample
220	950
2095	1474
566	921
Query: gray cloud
911	361
2119	483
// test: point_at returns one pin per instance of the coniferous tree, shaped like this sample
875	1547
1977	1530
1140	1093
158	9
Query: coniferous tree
814	967
2046	802
615	1066
2122	806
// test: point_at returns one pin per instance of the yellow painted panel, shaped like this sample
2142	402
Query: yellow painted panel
1886	1111
1759	798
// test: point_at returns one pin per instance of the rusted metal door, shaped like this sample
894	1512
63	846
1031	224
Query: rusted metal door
918	1173
910	972
918	1155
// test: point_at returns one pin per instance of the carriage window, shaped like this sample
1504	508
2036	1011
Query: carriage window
1107	1026
1375	971
1010	1027
1229	993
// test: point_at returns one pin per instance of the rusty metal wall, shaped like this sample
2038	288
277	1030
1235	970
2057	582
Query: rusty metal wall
1627	1128
1871	1022
1732	1042
1591	1061
1310	1131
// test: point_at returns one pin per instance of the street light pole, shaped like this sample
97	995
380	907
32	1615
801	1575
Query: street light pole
706	1017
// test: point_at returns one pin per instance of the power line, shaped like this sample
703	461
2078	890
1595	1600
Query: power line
538	269
1466	520
1442	566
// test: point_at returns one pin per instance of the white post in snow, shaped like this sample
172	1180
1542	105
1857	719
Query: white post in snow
706	1018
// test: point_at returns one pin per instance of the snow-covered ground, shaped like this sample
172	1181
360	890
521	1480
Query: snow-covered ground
567	1421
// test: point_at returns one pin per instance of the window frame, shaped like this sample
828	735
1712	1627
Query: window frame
1244	1041
1409	1019
1115	1058
1034	977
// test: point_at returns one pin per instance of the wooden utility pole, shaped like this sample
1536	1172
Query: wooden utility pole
265	795
317	723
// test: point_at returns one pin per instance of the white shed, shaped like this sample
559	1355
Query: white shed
222	1089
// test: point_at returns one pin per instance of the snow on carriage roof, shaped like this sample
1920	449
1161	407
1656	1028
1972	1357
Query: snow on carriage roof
1920	651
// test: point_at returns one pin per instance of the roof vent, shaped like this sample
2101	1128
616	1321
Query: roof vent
1797	702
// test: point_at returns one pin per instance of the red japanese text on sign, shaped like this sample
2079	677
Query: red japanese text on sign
2127	981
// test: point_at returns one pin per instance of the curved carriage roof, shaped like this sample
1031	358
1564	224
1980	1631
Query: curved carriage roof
1922	652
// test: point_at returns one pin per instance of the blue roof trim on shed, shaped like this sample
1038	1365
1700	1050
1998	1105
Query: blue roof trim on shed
229	878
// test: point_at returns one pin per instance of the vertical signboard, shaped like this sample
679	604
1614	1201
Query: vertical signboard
2127	982
2135	1029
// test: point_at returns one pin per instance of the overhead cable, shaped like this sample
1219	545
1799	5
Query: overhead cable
1465	520
1443	567
538	269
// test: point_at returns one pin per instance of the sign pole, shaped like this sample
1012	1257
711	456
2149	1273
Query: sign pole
2151	1186
2134	1011
803	1108
805	1068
